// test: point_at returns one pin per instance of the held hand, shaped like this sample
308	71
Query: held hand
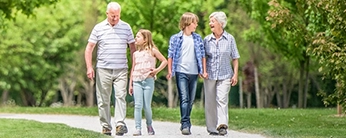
90	74
234	81
169	76
130	90
205	75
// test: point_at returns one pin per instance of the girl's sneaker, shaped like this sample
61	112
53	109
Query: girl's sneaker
137	132
150	130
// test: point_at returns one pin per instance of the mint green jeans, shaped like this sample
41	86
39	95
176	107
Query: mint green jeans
143	94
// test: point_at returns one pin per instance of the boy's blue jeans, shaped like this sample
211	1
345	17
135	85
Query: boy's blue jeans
143	93
187	84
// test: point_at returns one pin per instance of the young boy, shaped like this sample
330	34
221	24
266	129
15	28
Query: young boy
186	60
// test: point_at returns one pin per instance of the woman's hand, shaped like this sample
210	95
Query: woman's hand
234	80
130	90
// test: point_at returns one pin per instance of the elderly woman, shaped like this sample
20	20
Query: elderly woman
221	50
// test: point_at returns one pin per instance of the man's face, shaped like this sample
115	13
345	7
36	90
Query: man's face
113	16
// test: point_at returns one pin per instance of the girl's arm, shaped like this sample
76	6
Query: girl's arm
162	59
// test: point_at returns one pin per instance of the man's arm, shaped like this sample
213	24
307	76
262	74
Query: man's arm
88	54
132	49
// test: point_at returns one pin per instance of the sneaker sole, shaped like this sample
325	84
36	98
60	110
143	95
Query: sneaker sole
185	132
121	131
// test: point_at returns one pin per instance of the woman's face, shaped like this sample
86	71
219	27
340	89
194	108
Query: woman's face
214	24
139	40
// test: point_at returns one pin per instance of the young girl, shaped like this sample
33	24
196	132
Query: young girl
142	78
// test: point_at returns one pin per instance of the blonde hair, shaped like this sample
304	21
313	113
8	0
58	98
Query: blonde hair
186	19
148	41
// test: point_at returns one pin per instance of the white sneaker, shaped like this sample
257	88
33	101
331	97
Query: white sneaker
137	132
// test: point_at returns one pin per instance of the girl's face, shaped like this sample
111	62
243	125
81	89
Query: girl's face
214	24
139	40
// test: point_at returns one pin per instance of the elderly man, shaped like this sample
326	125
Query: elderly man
112	37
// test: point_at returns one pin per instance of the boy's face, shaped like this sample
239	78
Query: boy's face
192	27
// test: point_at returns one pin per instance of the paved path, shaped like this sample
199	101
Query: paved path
162	129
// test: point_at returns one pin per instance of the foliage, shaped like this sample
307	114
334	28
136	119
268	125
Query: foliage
34	52
329	44
10	8
320	25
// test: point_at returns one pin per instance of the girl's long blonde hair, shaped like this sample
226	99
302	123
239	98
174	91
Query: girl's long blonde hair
148	41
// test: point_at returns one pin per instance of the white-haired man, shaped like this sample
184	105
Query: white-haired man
112	37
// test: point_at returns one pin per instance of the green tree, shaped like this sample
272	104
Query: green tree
9	8
320	25
290	42
329	44
35	51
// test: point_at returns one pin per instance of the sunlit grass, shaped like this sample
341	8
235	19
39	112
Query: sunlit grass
19	128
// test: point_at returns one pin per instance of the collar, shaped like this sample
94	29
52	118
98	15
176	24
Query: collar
181	33
224	33
105	22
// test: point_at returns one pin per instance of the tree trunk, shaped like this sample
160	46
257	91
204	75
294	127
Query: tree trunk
306	86
279	96
28	98
300	88
170	94
43	97
67	91
241	103
248	98
176	98
90	94
258	94
4	97
285	94
339	109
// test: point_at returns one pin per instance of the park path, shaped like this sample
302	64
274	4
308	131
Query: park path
162	129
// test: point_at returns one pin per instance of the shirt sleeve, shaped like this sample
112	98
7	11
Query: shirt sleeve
234	53
93	35
130	38
171	47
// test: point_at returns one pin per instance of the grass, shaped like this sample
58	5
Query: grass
285	123
17	128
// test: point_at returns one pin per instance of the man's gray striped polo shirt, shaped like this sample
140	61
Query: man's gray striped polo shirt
112	44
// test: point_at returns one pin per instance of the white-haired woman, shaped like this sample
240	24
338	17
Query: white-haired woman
221	53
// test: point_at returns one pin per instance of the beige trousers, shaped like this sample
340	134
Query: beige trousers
105	79
216	103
